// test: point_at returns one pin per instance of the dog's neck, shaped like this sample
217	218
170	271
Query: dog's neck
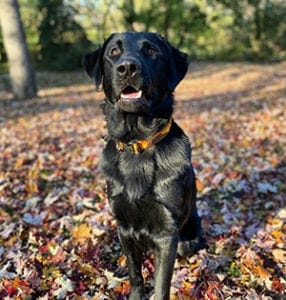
142	145
129	128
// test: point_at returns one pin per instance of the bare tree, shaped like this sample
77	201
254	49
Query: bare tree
20	68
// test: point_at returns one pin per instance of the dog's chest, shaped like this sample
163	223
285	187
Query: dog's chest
137	173
132	175
131	192
141	218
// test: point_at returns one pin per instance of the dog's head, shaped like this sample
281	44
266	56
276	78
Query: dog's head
137	70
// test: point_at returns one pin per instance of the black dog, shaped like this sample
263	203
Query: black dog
147	159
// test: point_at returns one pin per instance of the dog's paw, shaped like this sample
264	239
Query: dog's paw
121	272
190	247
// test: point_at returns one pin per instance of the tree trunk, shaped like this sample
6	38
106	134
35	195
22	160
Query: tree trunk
20	68
257	21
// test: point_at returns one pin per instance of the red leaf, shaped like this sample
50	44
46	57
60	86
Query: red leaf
10	289
277	285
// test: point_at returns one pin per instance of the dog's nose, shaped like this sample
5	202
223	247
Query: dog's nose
128	67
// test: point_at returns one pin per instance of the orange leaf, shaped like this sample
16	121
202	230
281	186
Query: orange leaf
251	266
199	142
261	272
200	185
122	261
277	234
22	284
33	174
11	241
82	232
212	291
123	288
233	174
185	289
245	143
32	187
19	162
3	214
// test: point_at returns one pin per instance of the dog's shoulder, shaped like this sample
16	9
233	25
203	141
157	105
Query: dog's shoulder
174	151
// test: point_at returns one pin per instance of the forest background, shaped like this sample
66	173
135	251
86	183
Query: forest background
58	32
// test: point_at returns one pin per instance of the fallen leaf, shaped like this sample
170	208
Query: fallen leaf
5	272
122	261
82	232
49	162
200	185
66	286
123	288
265	187
279	255
34	219
277	285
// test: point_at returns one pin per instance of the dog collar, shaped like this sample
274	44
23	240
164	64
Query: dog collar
142	145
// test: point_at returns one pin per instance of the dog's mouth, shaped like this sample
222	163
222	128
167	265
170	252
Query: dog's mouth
130	92
133	99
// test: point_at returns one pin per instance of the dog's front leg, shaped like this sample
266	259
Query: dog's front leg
134	262
165	255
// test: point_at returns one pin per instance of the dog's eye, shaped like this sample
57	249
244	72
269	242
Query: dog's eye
115	52
152	51
149	49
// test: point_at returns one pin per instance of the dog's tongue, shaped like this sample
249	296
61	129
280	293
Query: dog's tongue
132	95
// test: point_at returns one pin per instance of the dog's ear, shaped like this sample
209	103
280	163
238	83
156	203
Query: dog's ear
92	64
178	66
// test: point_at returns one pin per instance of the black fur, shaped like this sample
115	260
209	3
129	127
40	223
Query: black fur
152	194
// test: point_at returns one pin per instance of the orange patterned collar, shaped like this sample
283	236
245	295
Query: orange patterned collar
142	145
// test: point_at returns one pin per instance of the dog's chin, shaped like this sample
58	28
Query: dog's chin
136	106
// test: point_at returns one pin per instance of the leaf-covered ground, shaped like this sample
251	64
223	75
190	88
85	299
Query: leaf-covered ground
57	235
